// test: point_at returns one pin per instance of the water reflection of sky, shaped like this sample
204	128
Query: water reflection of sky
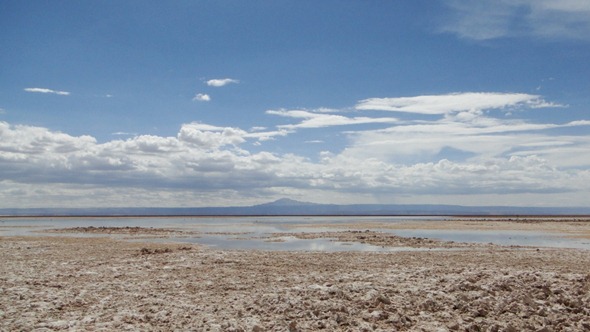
251	232
287	243
283	244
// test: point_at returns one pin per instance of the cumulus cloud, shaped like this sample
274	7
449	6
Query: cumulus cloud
489	19
201	97
44	90
221	82
210	137
464	152
455	102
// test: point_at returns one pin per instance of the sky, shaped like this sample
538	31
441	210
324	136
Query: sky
229	103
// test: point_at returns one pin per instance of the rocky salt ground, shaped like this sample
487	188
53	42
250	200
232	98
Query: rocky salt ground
381	239
59	283
126	230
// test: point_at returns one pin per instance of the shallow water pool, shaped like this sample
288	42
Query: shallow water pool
253	232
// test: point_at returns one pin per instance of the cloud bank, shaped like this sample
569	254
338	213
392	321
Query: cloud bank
463	155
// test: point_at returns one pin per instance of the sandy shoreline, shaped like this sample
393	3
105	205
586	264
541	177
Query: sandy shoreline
101	284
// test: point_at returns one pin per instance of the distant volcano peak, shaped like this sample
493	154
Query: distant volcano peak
286	202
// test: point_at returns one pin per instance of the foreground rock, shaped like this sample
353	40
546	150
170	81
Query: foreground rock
52	283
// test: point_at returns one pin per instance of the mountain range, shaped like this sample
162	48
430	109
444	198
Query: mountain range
289	207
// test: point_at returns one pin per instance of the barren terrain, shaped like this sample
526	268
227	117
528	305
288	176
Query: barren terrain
66	283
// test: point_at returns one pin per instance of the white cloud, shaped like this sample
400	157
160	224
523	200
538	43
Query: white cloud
579	123
201	97
268	135
221	82
123	133
455	102
475	138
322	120
210	137
489	19
44	90
465	152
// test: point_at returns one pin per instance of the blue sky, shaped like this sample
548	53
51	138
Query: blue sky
199	103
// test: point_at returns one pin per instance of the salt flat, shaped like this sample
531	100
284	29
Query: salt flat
103	284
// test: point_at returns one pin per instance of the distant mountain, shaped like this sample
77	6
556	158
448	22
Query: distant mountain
289	207
285	202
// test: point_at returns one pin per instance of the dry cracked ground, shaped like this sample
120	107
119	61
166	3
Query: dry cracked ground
50	283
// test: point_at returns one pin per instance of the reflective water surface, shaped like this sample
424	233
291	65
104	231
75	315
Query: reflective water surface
253	232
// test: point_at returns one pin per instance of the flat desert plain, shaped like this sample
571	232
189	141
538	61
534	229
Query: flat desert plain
76	283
